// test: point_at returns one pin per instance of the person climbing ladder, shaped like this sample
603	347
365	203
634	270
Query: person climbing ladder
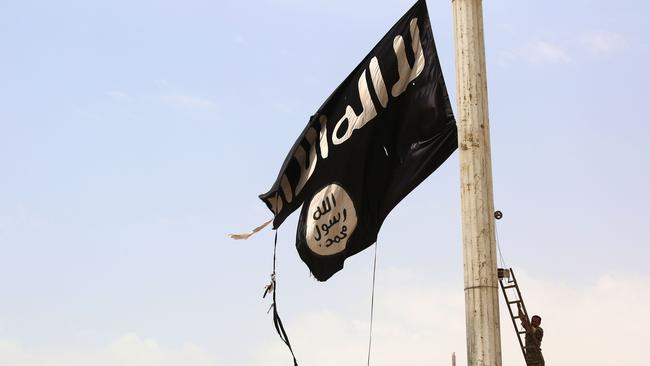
534	335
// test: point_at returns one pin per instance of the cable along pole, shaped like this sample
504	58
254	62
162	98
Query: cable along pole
477	205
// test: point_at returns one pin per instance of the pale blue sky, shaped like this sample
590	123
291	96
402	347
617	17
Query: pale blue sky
134	135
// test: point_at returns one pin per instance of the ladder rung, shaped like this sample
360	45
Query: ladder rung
515	317
521	332
511	286
514	302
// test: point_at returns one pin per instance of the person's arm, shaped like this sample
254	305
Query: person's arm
525	323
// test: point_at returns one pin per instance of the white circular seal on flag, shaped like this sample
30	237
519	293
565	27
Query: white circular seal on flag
331	220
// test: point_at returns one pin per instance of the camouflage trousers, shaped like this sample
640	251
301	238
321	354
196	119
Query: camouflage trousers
534	357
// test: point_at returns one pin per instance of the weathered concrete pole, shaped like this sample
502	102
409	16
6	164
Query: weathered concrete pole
477	206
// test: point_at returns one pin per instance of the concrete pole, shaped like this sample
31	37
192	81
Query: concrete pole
453	359
477	206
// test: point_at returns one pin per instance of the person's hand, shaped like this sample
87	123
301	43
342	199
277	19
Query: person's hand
521	313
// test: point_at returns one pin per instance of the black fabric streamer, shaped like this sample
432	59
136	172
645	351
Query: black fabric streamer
277	322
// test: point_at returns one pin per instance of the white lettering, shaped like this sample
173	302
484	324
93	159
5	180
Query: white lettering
306	167
286	188
355	121
406	72
378	82
276	204
324	150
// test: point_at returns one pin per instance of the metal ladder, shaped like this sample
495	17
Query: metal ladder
512	296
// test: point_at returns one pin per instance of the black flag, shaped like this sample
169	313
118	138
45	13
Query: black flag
382	132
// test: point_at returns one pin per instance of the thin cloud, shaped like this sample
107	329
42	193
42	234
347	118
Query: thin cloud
540	52
417	323
127	350
161	83
189	101
167	96
120	96
604	42
545	52
240	40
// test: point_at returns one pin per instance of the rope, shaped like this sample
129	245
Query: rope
372	300
503	261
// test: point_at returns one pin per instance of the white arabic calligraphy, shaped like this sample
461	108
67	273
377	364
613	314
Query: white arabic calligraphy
331	219
351	121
